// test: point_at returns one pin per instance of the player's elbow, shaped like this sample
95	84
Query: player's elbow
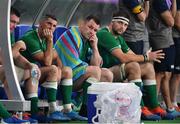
169	22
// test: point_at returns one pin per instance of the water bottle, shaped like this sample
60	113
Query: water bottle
34	75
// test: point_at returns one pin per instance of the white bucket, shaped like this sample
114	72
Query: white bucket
101	88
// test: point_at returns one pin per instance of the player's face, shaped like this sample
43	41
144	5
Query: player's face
14	21
119	27
89	29
49	24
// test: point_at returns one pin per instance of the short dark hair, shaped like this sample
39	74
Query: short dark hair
45	17
93	17
15	11
122	12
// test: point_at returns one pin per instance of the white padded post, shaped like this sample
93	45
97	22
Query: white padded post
5	45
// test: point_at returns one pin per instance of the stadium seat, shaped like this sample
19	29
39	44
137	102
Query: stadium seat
20	30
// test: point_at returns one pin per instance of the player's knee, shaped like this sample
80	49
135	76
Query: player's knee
54	69
133	68
94	71
67	72
167	75
106	75
149	68
177	76
52	73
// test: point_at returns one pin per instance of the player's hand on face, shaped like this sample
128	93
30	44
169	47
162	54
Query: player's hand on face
48	34
93	40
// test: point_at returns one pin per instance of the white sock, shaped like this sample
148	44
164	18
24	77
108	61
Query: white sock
171	109
175	104
52	107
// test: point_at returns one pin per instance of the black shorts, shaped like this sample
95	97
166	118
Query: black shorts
167	64
177	56
137	47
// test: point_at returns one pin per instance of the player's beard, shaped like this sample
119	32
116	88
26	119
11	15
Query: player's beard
115	32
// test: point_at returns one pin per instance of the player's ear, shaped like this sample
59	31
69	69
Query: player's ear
81	22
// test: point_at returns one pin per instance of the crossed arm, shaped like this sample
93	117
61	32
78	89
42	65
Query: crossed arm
19	60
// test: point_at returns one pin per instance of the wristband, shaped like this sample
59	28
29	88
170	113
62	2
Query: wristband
145	58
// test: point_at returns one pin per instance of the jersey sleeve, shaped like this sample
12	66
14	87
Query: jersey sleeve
32	46
107	41
124	46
